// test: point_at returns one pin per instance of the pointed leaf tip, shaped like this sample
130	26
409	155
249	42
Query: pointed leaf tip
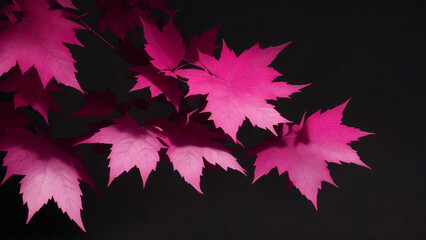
305	152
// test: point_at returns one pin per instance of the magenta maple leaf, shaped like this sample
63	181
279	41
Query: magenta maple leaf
204	43
10	9
132	54
11	117
238	87
159	5
132	146
118	16
49	172
30	91
65	3
304	151
187	147
37	40
165	47
158	83
99	104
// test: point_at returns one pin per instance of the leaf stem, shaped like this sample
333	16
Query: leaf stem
97	34
183	65
146	111
84	14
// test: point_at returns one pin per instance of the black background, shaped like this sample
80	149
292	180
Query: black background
368	51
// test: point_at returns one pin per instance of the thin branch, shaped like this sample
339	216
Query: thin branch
84	14
99	36
180	79
183	65
146	111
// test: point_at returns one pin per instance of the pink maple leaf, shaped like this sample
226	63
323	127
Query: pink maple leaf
49	172
305	150
132	146
37	40
30	91
158	83
118	16
238	87
204	43
165	47
187	147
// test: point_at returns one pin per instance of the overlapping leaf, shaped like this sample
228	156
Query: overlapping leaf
37	40
29	91
159	5
32	37
158	83
165	46
66	4
305	149
118	16
204	43
132	146
187	147
99	104
11	117
238	87
49	172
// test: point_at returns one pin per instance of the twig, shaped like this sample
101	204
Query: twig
146	111
84	14
99	36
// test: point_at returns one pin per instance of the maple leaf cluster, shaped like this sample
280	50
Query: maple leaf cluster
35	60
